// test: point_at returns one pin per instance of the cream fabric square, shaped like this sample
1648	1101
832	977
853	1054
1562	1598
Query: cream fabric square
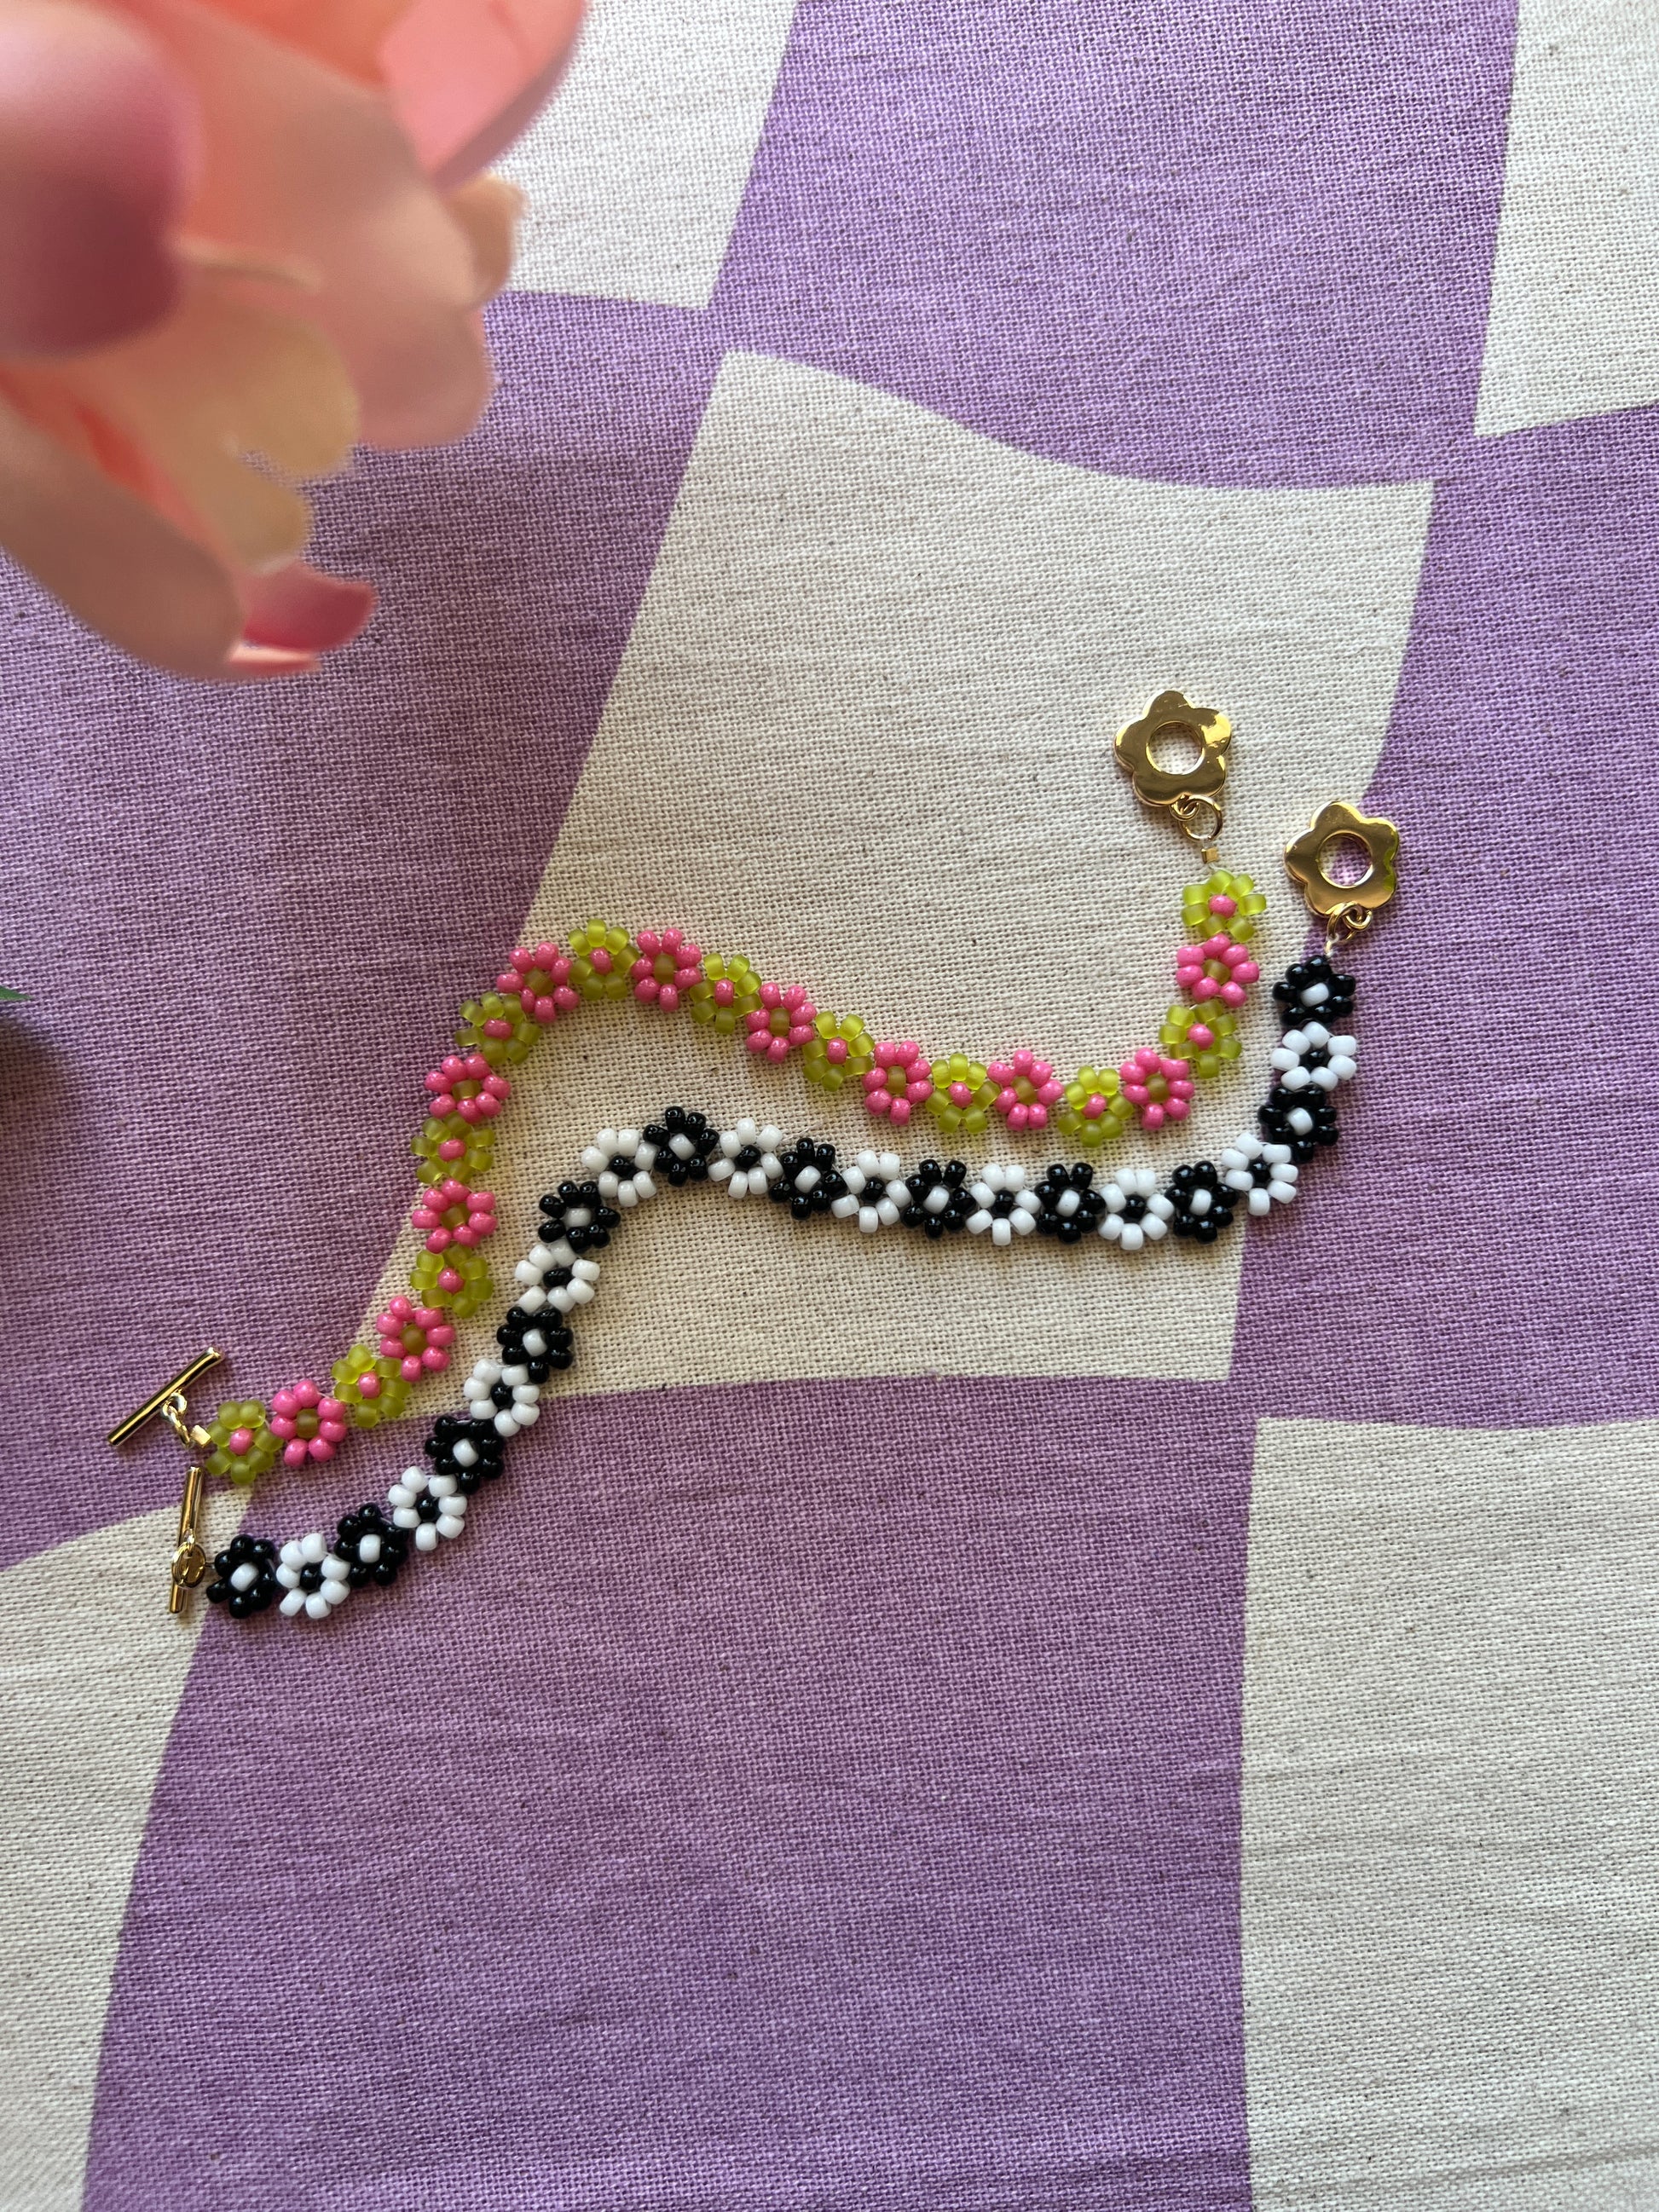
1574	323
862	732
92	1668
636	173
1451	1818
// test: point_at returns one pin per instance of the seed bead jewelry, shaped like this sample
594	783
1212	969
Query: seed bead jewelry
998	1205
308	1422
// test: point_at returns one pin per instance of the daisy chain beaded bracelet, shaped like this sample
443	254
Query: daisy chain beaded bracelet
1132	1210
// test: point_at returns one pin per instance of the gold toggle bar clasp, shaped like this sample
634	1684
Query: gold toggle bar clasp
189	1562
169	1403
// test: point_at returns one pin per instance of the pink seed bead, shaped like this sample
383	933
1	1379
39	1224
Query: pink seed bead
1221	904
451	1148
1201	1035
239	1442
899	1110
449	1281
835	1051
1093	1106
961	1094
295	1455
369	1384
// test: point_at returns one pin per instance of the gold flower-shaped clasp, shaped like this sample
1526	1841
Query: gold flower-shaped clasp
1346	905
1192	793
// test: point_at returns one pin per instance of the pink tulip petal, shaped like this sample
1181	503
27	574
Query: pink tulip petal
299	610
466	80
304	167
488	210
112	558
98	140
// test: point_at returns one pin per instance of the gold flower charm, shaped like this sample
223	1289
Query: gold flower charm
1305	863
1170	717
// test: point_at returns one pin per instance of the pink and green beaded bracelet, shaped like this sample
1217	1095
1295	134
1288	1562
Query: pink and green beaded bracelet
1153	1088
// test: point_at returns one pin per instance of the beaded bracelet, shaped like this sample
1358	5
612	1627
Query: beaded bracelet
451	1278
467	1093
309	1577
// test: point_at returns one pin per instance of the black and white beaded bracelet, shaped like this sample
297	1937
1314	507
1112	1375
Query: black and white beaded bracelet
1132	1211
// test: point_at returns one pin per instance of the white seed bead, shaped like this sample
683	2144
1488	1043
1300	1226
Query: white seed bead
1069	1203
293	1603
845	1207
936	1200
244	1577
449	1524
532	1300
313	1547
808	1179
1199	1203
887	1214
869	1219
317	1607
368	1548
426	1537
585	1271
292	1554
1002	1230
334	1593
463	1454
534	1343
335	1570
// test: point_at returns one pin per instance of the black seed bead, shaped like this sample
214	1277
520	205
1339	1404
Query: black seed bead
501	1396
310	1577
800	1204
607	1217
1302	974
749	1157
620	1165
932	1227
1203	1228
779	1192
1274	1119
929	1171
656	1134
956	1172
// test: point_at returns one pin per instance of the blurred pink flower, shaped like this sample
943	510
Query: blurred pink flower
237	237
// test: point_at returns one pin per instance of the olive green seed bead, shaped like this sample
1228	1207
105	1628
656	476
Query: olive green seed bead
841	1049
601	957
728	992
961	1097
372	1389
242	1447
